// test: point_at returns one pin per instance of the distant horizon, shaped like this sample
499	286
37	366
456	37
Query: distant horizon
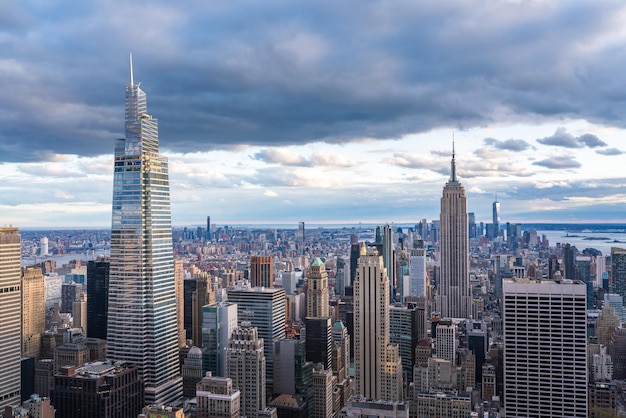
330	225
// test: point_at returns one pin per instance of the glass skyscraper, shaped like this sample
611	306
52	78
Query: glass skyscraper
142	327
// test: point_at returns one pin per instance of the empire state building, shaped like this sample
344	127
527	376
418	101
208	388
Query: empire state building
142	326
454	298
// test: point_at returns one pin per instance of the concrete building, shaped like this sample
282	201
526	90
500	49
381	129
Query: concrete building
33	311
79	312
293	374
317	291
217	398
99	389
377	363
545	351
10	316
245	365
454	298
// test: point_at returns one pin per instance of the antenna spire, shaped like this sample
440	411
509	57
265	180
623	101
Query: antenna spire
131	68
453	163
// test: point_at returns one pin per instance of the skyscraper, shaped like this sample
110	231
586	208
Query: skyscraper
389	260
142	327
545	349
265	309
454	298
418	275
98	297
33	311
496	217
245	365
618	271
10	318
317	291
377	364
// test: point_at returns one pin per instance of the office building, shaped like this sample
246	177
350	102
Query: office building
341	361
318	323
317	291
218	322
245	365
362	407
98	389
322	400
98	297
69	293
377	363
79	312
446	341
569	262
141	319
301	234
496	218
264	308
454	298
191	371
403	331
217	398
33	311
444	404
389	260
209	235
202	296
179	277
261	271
618	271
545	350
10	317
418	285
34	407
293	373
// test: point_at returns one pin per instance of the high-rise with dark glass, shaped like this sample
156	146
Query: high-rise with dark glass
142	326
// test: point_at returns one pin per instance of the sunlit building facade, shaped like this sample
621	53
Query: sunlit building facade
142	325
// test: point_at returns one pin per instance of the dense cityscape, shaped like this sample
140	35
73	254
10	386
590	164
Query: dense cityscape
452	317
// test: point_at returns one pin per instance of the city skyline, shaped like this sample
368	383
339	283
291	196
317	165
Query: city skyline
323	112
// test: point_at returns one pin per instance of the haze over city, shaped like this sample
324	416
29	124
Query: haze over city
278	111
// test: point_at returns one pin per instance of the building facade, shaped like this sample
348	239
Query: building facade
377	363
261	271
10	316
141	319
454	298
33	311
545	349
245	365
98	297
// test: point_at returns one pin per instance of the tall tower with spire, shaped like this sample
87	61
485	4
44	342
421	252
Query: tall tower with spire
454	298
142	327
496	217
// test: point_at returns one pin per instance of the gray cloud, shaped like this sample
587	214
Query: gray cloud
508	144
609	151
562	138
558	163
276	73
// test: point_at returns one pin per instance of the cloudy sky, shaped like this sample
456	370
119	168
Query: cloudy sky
281	111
